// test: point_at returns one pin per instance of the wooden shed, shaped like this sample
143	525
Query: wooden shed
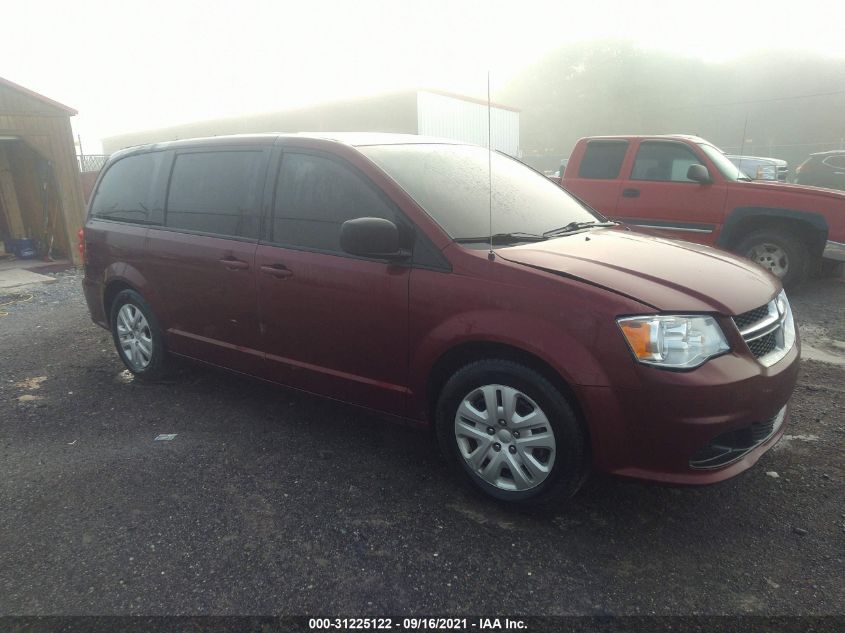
40	189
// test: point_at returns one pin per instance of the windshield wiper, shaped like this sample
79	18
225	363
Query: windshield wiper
576	226
504	238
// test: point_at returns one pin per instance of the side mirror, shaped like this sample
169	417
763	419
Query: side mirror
371	237
699	173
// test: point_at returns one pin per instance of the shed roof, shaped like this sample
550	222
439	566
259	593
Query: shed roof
39	97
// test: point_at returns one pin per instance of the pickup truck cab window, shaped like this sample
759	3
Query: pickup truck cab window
662	161
603	159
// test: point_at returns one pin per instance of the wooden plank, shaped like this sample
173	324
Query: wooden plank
12	210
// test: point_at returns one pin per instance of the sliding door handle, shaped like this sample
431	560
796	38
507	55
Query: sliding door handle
631	193
277	270
234	264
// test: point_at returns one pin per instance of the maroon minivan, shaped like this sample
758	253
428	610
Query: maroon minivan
362	268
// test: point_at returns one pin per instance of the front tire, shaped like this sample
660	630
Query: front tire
138	337
511	433
784	256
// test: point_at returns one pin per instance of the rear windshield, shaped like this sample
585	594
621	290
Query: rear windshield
451	183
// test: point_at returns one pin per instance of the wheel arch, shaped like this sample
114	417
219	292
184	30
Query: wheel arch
113	288
470	351
812	228
124	277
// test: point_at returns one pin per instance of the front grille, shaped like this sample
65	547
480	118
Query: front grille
751	317
762	330
763	345
733	445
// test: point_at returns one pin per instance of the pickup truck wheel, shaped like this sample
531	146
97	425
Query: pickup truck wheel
138	337
511	433
782	255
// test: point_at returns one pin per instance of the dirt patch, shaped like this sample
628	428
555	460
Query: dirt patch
31	383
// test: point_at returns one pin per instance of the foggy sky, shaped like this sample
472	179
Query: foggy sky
128	67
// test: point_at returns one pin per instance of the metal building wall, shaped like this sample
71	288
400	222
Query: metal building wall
463	120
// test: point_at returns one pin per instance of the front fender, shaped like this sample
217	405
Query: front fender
569	350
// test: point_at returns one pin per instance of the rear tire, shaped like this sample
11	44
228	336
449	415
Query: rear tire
784	256
537	450
138	337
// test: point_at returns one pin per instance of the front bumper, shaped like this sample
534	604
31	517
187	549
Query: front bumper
834	250
669	427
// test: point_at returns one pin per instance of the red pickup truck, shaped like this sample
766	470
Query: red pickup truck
687	186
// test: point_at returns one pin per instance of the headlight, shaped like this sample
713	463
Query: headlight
767	172
788	321
673	341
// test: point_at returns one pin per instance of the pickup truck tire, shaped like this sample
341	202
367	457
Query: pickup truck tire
511	434
781	254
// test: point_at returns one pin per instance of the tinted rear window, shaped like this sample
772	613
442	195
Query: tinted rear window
603	159
216	192
127	191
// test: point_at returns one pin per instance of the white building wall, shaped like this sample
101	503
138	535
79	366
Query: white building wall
448	117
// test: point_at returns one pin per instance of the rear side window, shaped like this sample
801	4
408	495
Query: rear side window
315	196
216	192
603	159
661	161
835	161
128	190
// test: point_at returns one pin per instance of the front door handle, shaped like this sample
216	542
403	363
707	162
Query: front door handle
277	270
235	264
631	193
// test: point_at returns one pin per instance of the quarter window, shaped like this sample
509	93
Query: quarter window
315	196
603	159
662	161
216	192
127	191
837	162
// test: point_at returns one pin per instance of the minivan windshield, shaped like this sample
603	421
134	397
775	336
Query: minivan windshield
450	182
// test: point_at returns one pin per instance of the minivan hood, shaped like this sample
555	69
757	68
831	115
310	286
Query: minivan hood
669	275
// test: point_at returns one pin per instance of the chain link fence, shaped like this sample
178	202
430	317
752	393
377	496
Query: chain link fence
91	162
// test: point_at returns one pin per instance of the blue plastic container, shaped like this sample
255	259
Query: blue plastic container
24	248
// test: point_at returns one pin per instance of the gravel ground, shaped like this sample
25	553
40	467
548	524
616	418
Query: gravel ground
274	502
